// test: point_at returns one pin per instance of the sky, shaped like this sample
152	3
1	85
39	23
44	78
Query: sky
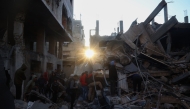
110	12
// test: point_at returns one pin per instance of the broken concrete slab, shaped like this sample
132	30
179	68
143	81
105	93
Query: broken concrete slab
164	29
19	104
39	105
130	68
155	12
181	77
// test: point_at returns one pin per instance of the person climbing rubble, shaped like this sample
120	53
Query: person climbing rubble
137	80
31	85
18	78
91	85
113	78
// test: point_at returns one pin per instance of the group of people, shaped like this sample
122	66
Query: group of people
46	84
84	86
88	85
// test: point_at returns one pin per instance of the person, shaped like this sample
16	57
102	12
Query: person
50	81
113	77
55	90
137	80
73	88
91	85
41	82
83	82
56	72
45	75
31	85
8	78
18	78
31	76
6	98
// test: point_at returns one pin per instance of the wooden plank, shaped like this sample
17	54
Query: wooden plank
159	73
177	53
155	12
164	29
169	99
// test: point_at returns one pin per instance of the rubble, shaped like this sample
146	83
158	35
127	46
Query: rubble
160	54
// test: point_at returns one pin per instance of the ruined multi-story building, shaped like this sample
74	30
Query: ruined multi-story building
32	32
73	52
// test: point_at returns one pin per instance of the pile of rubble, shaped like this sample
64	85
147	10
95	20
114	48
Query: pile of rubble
160	54
42	102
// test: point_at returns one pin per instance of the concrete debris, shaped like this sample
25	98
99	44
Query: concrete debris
153	69
19	104
159	54
39	105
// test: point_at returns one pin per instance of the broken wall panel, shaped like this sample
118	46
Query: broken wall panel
155	12
164	29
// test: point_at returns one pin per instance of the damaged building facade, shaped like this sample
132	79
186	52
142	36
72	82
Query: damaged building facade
74	51
32	32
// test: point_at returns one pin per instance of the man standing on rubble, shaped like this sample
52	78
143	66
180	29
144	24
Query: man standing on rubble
84	84
55	90
137	80
72	88
113	77
19	77
6	98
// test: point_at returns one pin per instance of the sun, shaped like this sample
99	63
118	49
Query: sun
89	53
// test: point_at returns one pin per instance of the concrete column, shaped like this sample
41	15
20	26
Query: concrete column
121	26
186	19
60	56
52	43
166	13
40	40
97	28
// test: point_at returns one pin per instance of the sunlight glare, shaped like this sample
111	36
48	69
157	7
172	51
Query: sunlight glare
89	53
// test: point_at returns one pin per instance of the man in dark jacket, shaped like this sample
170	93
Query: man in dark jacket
73	89
113	77
6	98
137	80
19	77
55	90
41	82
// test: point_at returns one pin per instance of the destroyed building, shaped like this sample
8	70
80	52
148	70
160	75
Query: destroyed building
38	33
159	53
32	32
